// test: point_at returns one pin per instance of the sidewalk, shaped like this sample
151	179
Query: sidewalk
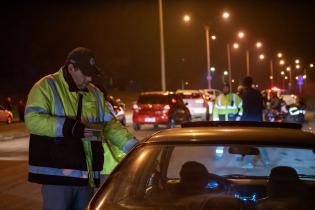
12	131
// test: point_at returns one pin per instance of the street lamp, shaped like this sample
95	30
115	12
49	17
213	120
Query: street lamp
279	55
281	62
212	69
258	45
213	37
311	65
186	18
235	45
225	16
261	56
297	61
241	34
297	66
163	79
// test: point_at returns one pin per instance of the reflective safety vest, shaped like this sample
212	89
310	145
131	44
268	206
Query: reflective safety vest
54	159
227	104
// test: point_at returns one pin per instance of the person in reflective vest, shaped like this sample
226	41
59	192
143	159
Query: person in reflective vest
228	106
67	119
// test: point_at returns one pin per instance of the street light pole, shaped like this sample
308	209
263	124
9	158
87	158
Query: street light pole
247	63
209	77
163	80
228	50
271	72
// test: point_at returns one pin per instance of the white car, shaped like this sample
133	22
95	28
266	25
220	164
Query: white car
196	103
210	95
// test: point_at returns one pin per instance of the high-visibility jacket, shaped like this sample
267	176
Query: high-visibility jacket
54	159
227	104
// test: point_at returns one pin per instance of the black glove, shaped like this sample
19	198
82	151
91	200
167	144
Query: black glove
73	128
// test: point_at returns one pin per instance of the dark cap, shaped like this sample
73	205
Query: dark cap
84	59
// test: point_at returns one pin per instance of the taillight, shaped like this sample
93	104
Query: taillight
135	107
167	107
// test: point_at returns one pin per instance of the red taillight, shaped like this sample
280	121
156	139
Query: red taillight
167	107
135	107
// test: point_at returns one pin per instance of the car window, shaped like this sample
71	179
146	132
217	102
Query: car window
190	95
153	99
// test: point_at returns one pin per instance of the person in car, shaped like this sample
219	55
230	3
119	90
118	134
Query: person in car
64	113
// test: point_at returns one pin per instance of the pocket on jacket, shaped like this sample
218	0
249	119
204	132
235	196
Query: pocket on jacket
67	153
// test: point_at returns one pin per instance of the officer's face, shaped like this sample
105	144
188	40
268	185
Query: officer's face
226	90
79	78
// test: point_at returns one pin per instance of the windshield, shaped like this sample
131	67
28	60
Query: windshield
156	175
153	99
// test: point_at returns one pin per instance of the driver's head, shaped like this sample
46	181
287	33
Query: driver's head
226	88
194	175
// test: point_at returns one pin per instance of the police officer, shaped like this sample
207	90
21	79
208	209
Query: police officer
228	106
64	112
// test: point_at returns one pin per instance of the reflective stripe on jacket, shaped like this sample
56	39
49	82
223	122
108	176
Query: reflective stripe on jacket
54	159
230	103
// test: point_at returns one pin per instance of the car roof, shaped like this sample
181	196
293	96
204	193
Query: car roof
187	91
157	93
234	135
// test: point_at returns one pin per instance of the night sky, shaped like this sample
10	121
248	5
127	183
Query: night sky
37	36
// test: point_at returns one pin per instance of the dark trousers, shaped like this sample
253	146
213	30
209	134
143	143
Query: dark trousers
60	197
230	117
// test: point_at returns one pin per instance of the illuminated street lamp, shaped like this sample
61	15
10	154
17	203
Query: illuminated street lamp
261	56
226	15
258	44
225	73
213	37
311	65
241	34
297	61
271	77
304	76
286	77
279	55
282	72
297	66
281	62
288	68
235	45
212	69
186	18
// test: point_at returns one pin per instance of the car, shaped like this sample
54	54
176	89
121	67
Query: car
196	103
5	115
118	109
210	95
176	169
159	108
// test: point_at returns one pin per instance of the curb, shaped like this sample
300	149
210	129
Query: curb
7	138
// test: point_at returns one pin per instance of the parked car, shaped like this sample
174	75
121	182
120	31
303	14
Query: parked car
118	108
5	115
196	103
175	169
159	108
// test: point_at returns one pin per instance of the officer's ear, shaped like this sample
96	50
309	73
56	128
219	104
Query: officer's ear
71	68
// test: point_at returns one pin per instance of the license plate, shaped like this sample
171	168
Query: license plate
149	119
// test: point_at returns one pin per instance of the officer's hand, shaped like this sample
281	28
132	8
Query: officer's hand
73	128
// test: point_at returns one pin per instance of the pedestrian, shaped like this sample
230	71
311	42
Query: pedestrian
21	109
253	111
64	113
8	103
252	102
